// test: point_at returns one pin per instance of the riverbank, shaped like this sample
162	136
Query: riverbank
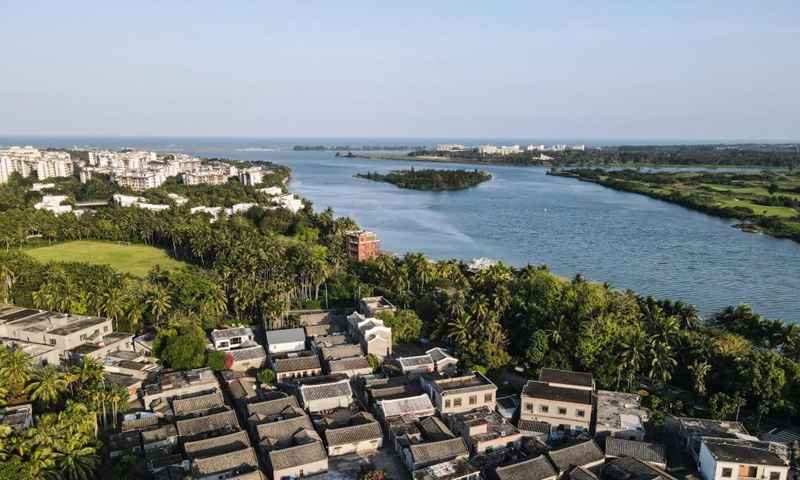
766	203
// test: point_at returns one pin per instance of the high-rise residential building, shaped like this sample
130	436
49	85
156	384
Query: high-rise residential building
361	244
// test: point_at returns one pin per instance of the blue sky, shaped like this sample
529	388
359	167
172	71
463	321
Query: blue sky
727	70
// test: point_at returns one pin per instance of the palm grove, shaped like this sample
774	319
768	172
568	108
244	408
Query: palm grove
255	268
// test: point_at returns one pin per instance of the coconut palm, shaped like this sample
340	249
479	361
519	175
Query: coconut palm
460	328
42	462
15	369
159	302
47	386
699	371
76	459
662	362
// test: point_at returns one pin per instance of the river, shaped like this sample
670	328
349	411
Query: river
524	216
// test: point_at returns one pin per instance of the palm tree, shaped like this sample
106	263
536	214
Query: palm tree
159	302
556	329
661	362
77	460
460	328
47	386
42	463
632	353
7	277
14	369
699	371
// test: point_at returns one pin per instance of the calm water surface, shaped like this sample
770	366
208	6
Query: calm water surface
524	216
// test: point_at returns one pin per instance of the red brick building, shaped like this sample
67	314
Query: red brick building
361	244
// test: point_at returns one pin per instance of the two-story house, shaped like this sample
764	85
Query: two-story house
460	394
229	338
561	398
740	459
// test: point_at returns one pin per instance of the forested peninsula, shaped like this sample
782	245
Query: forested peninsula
745	155
430	179
767	202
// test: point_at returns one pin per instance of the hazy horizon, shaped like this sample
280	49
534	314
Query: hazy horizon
691	72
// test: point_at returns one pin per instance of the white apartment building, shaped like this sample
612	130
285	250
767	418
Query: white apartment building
5	168
251	176
210	177
25	160
54	167
140	180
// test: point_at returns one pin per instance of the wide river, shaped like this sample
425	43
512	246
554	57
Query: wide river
524	216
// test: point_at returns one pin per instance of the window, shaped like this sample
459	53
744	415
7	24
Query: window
487	398
727	472
774	475
456	402
544	408
105	328
447	404
562	411
83	336
236	341
580	413
52	341
473	399
529	407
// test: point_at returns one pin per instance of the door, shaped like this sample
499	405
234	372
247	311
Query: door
747	471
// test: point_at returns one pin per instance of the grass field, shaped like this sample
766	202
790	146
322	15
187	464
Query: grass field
134	259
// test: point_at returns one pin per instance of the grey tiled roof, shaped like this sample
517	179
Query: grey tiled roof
629	467
565	377
230	333
341	351
340	388
533	426
159	434
283	430
578	455
296	364
349	364
216	445
580	473
200	403
649	452
416	361
297	456
353	434
240	461
251	353
207	423
271	407
451	470
242	388
537	468
402	406
139	423
436	452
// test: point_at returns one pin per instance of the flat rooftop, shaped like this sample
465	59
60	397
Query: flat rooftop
491	424
743	451
614	409
473	382
702	427
76	326
566	377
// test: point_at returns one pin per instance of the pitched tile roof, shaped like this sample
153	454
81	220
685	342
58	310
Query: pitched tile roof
207	423
544	390
450	470
250	353
435	430
402	406
239	461
271	407
297	456
435	452
159	434
578	455
296	364
400	391
282	431
580	473
139	423
353	434
537	468
242	388
438	354
533	426
349	364
231	332
216	445
341	351
646	451
629	468
340	388
200	403
419	360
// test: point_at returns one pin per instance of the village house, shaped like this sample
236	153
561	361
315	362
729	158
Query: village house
619	415
229	338
484	430
692	430
247	358
372	306
325	392
292	448
164	438
457	469
426	454
741	459
352	367
442	361
587	455
362	434
295	365
531	428
506	406
224	465
416	365
156	396
561	398
200	428
374	337
220	445
460	394
626	468
18	417
379	387
338	352
282	341
198	406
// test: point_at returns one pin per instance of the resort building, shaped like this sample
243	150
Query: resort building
139	179
208	176
252	176
361	245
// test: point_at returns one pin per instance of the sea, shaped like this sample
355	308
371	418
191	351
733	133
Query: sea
523	216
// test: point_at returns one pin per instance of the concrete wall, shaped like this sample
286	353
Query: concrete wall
481	400
358	447
531	409
304	470
710	469
299	374
327	404
286	347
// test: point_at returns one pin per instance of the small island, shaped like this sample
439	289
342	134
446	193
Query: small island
430	179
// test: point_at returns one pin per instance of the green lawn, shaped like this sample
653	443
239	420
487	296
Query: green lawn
134	259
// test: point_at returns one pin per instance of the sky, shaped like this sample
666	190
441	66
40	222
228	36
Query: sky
688	70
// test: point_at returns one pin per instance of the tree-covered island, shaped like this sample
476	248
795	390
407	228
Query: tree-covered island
430	179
